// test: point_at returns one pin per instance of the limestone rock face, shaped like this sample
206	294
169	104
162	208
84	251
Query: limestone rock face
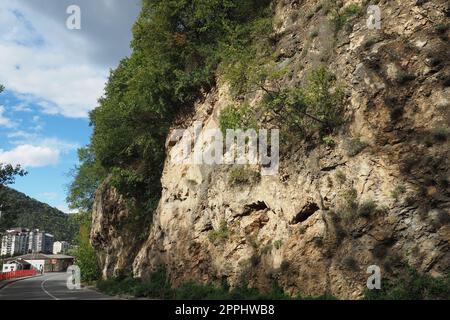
114	235
330	212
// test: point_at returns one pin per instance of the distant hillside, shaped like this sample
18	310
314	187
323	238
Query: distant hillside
19	210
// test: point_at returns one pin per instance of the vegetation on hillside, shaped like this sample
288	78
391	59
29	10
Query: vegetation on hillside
19	210
413	286
178	47
157	286
83	252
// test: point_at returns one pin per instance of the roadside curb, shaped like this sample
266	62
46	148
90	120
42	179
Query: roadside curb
8	282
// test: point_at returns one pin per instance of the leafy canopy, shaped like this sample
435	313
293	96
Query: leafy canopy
177	47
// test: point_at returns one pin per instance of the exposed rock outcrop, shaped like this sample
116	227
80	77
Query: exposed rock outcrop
332	211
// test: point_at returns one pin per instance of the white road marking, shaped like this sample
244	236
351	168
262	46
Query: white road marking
48	293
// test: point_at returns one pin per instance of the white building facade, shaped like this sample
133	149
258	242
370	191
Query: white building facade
14	242
40	241
21	241
60	247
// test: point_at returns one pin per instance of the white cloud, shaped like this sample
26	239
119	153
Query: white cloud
26	138
30	156
49	195
48	63
21	108
64	208
4	121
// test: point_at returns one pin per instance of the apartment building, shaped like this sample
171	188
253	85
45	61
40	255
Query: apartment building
60	247
40	242
14	242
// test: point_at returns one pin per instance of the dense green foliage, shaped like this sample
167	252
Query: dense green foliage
315	109
86	178
22	211
157	286
235	117
178	47
413	286
84	253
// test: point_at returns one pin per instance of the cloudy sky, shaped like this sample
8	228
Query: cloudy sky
53	77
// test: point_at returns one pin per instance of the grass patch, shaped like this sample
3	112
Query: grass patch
220	234
367	209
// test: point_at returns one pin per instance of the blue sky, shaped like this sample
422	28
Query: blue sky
53	78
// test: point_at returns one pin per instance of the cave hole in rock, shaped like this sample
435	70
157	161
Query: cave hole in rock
255	206
307	211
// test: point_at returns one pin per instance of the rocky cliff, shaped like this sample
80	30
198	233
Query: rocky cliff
377	192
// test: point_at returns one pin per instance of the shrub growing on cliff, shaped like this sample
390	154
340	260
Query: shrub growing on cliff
412	286
220	234
355	146
340	16
316	108
241	175
237	117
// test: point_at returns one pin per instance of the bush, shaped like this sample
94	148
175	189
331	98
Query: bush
241	175
85	256
412	286
314	34
380	250
277	244
316	108
235	117
157	287
284	267
355	146
197	291
436	135
341	177
404	77
367	209
441	28
220	234
398	192
350	263
318	242
341	16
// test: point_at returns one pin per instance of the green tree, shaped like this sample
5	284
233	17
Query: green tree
84	253
9	172
86	178
177	48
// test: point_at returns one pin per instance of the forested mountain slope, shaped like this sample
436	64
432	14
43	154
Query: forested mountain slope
19	210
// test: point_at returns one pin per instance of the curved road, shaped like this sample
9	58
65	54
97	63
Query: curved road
51	286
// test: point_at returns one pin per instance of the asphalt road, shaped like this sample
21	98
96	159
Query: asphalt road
51	286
